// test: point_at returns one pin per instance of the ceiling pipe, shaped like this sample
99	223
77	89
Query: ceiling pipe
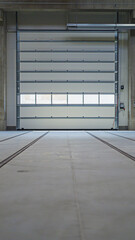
81	26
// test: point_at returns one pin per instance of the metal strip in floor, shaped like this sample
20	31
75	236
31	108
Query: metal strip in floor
8	159
5	139
121	136
113	147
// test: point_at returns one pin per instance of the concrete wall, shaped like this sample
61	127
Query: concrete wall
3	110
48	20
16	5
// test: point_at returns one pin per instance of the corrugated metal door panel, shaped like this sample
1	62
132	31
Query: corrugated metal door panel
66	124
64	111
67	87
64	63
74	56
60	76
35	112
57	35
79	66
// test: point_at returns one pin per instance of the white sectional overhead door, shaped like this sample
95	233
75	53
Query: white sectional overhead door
66	80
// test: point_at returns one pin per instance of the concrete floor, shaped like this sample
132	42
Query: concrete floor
67	186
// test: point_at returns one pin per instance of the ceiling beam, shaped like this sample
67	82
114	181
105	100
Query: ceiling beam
67	4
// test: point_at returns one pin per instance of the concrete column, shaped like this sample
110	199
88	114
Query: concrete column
132	81
3	70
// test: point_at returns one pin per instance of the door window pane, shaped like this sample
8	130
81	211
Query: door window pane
91	99
27	98
43	98
107	99
75	99
59	99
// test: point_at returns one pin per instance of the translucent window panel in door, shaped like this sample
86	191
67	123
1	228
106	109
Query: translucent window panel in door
27	98
91	99
75	99
59	99
106	98
43	98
